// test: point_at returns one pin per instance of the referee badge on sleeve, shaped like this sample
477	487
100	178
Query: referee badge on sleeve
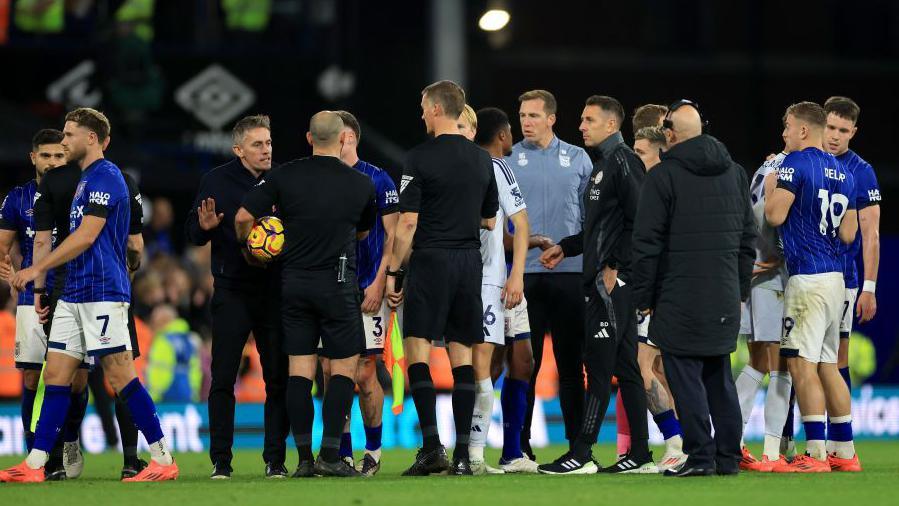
565	160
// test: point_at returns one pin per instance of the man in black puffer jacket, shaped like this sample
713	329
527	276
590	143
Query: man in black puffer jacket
693	254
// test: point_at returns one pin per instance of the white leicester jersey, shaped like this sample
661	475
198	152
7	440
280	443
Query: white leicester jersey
768	244
493	254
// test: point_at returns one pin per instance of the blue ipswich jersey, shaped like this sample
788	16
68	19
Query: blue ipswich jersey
99	274
370	250
822	189
867	193
17	214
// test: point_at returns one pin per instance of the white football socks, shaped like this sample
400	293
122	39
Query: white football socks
37	459
777	406
159	452
480	419
747	383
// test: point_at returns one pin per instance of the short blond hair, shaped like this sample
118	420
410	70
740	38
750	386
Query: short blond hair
470	116
653	135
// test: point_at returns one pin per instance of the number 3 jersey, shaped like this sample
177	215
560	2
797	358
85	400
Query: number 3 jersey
822	188
100	274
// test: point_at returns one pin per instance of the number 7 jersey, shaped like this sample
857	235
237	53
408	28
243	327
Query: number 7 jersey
822	188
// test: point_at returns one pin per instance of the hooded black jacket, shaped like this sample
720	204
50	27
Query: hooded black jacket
693	248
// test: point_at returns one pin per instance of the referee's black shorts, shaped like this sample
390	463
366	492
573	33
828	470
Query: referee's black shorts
443	296
315	306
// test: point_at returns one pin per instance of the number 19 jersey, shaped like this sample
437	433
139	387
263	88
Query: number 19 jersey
822	188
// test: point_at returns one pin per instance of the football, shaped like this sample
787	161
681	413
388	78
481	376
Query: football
266	239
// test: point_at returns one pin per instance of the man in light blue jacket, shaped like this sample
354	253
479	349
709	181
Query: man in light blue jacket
553	175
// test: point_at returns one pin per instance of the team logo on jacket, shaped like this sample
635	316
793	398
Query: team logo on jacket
597	178
522	161
565	160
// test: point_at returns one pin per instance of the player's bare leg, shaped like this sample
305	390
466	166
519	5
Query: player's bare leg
839	405
811	399
661	407
371	403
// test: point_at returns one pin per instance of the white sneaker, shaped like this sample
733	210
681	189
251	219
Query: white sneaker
521	465
493	470
72	459
672	460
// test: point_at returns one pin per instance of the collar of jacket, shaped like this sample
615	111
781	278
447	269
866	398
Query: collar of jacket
553	144
605	148
242	172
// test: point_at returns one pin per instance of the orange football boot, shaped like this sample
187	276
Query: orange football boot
156	472
22	474
844	465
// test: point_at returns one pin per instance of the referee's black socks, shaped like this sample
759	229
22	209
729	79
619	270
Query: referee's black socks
335	408
301	413
463	407
425	399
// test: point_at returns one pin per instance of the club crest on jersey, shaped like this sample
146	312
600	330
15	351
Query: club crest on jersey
522	160
405	182
516	194
79	191
565	160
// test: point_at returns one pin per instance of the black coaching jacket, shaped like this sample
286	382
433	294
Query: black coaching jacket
610	206
693	248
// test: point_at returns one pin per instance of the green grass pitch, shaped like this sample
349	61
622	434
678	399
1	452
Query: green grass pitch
878	484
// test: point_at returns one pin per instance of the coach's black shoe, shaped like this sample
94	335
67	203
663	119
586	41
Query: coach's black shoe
461	467
221	472
338	468
275	471
305	469
569	464
688	471
630	464
428	462
369	466
132	467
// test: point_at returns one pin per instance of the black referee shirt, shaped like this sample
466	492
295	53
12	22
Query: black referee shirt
323	203
449	182
228	184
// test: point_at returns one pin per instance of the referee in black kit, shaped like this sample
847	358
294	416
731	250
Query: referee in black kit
326	206
246	299
52	206
447	194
